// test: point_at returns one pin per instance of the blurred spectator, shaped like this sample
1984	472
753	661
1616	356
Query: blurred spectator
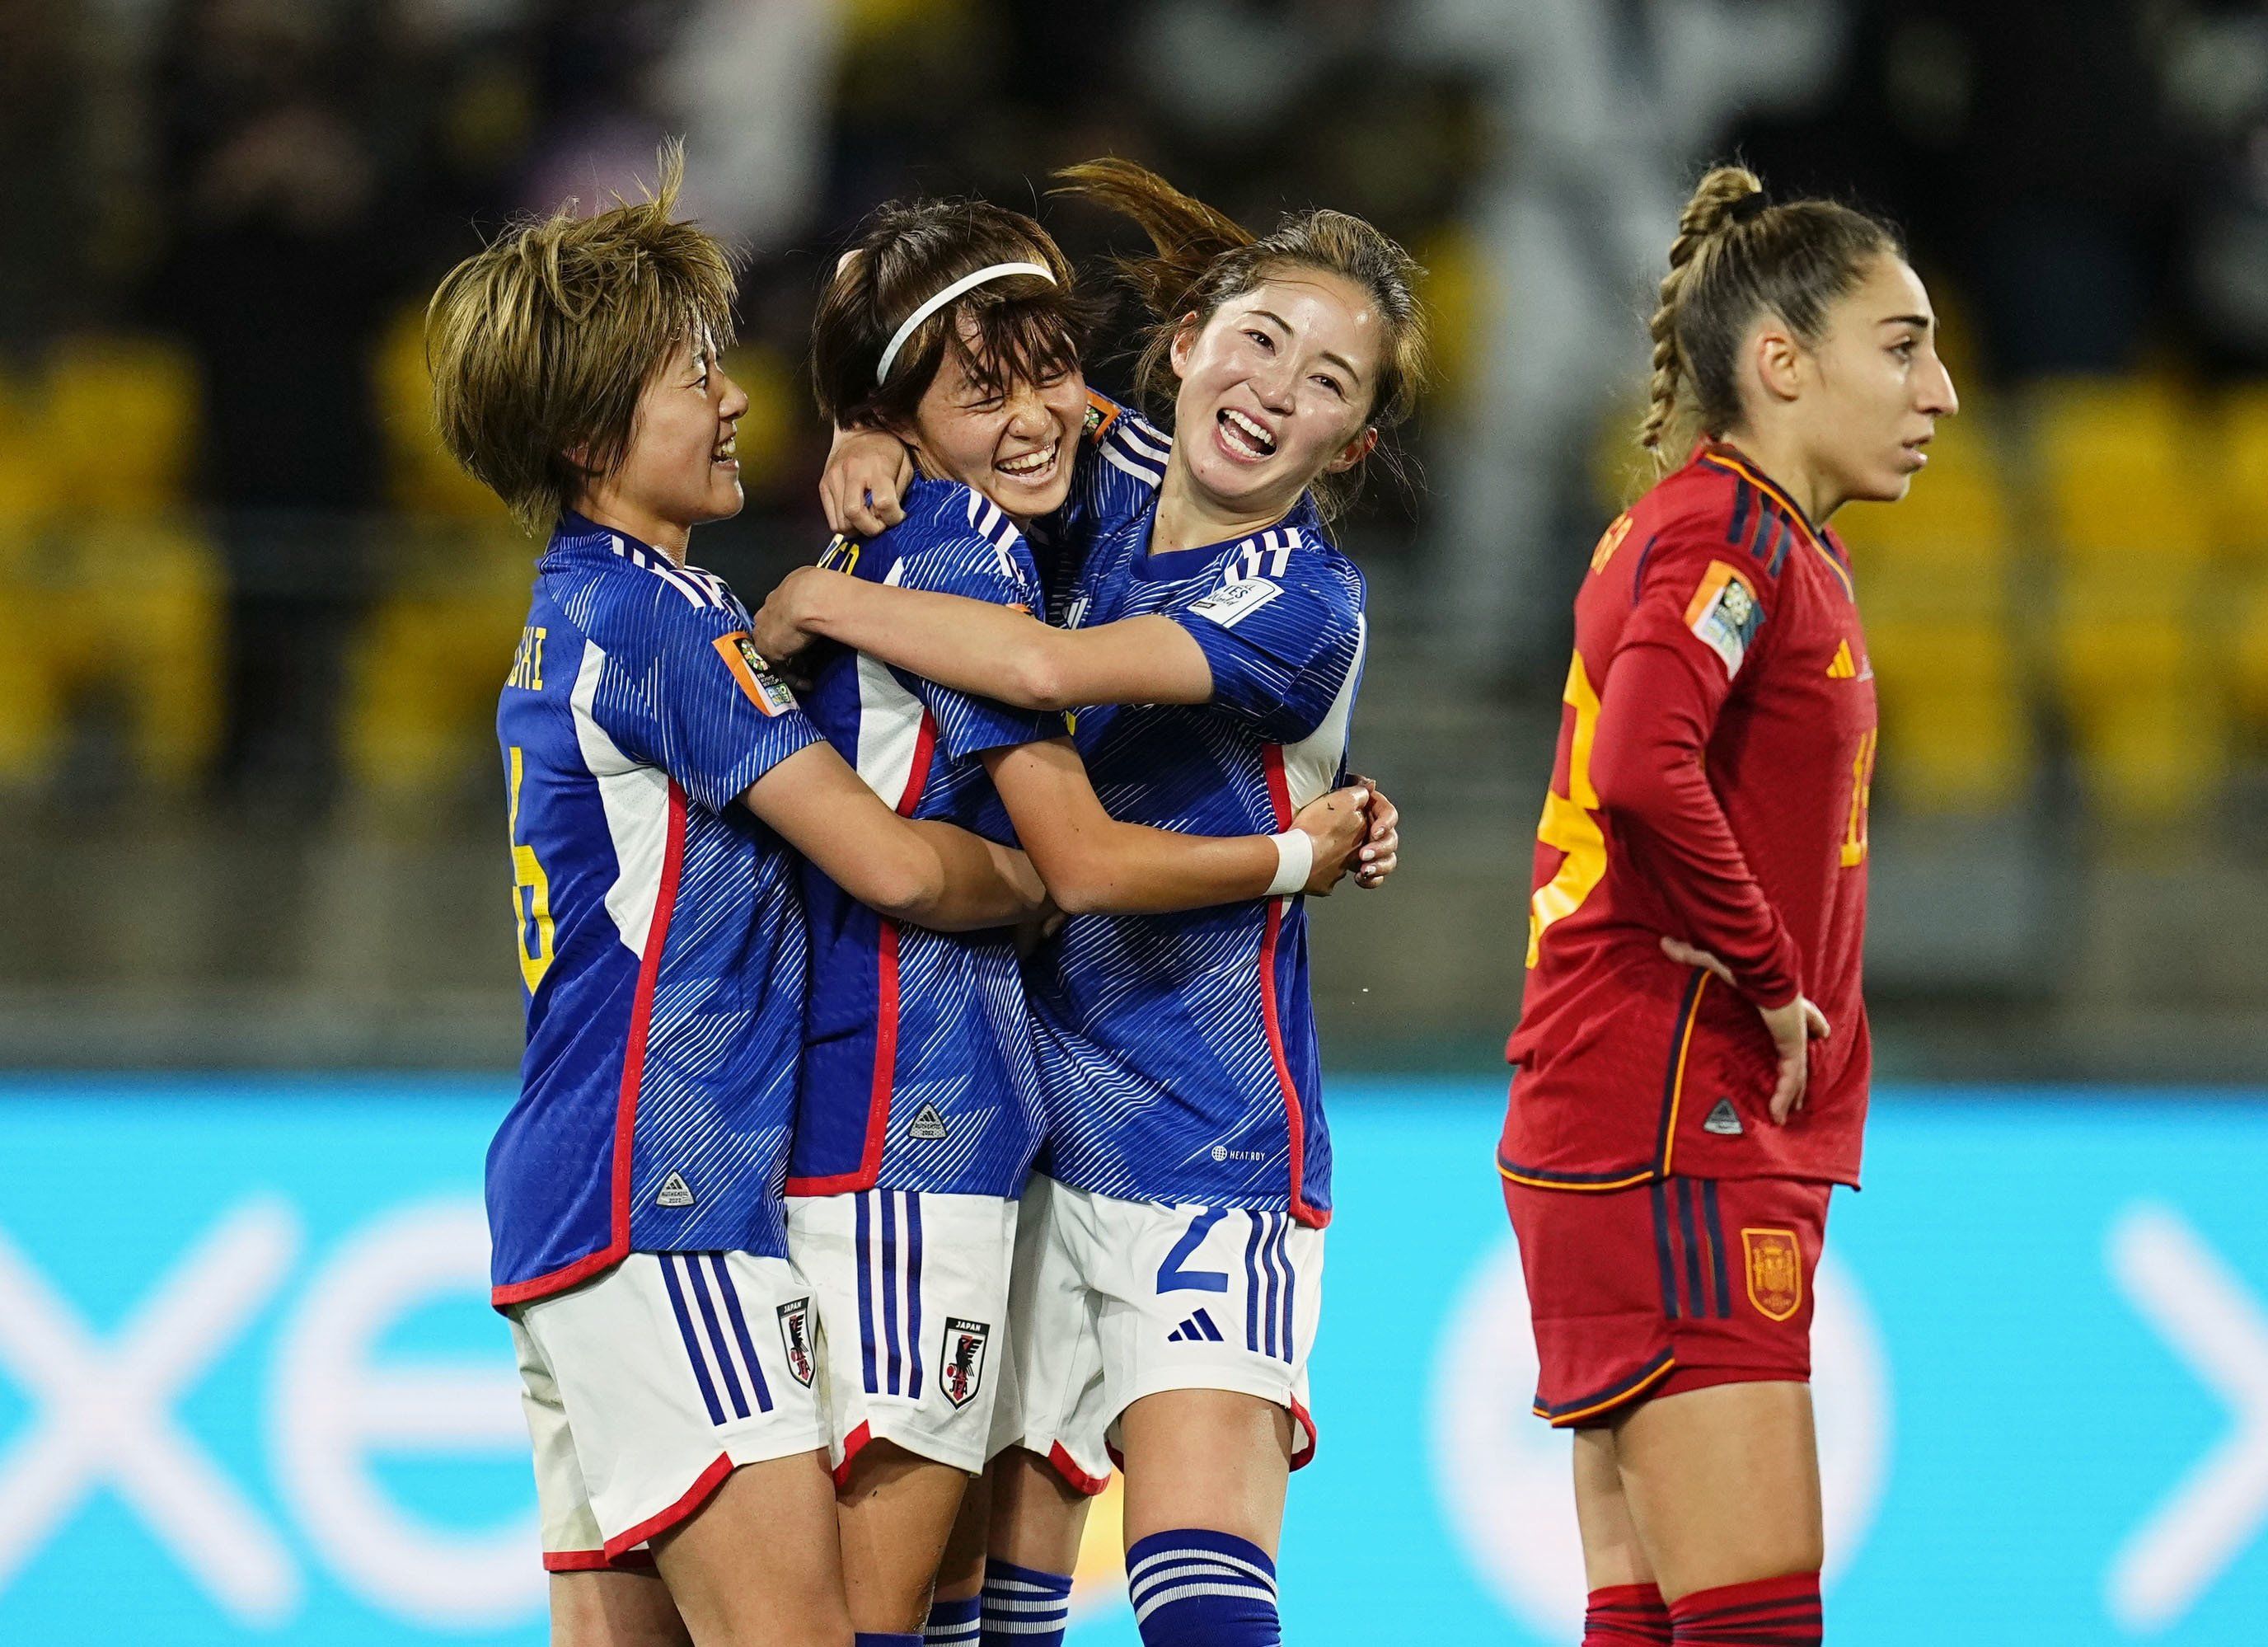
279	261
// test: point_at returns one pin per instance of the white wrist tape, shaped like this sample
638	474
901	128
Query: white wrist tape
1295	861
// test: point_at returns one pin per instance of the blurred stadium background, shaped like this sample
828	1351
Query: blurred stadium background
251	626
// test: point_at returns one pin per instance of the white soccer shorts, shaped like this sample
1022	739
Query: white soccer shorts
911	1292
646	1387
1115	1300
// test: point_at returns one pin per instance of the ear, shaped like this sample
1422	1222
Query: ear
1781	363
1185	342
1353	452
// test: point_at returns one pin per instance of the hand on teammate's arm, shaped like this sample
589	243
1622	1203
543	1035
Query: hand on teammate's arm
866	475
927	874
1091	862
983	649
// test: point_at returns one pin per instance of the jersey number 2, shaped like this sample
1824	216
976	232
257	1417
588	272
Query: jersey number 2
1173	1278
1570	821
530	915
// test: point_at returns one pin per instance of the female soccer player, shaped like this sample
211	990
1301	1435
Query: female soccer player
1169	1256
654	766
954	326
1673	1132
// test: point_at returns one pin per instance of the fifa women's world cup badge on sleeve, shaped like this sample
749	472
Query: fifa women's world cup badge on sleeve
757	678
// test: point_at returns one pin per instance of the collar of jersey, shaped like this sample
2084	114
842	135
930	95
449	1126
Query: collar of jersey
1184	563
1723	455
577	532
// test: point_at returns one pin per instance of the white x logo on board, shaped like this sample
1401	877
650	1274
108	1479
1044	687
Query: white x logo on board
104	1415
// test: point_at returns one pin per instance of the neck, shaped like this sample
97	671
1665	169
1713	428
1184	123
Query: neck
1780	455
608	510
1187	517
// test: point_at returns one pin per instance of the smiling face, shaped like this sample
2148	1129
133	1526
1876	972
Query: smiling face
1013	441
1879	386
1275	389
680	468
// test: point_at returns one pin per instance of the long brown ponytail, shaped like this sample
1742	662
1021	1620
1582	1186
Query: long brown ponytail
1737	256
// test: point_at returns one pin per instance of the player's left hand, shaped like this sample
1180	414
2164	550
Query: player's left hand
779	633
1377	856
1792	1026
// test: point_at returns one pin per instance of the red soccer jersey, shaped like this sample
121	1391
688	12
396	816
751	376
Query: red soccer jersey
1711	785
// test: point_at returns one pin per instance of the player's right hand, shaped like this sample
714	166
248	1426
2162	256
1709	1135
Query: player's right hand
779	631
1339	822
867	473
1794	1026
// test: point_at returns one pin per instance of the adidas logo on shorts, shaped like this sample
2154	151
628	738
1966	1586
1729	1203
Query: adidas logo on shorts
1724	1120
1198	1329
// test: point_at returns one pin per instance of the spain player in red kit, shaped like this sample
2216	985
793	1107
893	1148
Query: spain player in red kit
1691	1062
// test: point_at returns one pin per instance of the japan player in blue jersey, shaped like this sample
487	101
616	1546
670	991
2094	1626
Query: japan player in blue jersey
657	773
1169	1269
954	326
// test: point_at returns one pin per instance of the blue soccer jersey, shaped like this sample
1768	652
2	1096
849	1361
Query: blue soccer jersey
661	936
918	1069
1179	1050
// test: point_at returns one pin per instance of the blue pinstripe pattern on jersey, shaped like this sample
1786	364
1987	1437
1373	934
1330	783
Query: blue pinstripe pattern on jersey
686	1331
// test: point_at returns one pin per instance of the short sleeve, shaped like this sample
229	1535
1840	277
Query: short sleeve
1002	575
1281	643
1695	599
685	690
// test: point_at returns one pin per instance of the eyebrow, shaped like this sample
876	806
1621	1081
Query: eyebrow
1920	323
1339	361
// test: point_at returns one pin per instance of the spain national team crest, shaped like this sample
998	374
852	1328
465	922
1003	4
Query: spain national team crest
1775	1271
961	1360
795	1338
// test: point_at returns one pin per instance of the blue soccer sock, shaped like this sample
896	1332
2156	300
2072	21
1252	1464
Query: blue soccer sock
954	1623
1023	1606
1196	1588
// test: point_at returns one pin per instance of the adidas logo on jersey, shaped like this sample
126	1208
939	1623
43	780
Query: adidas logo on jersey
675	1192
1843	668
1724	1120
927	1125
1198	1329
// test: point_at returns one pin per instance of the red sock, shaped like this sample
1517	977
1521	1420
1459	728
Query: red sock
1626	1615
1768	1613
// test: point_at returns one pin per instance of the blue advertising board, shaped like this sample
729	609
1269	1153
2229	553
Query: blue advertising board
251	1390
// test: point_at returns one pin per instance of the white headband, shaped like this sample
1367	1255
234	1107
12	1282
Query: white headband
966	282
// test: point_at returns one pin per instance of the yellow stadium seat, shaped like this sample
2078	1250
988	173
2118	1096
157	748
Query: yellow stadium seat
2242	515
2121	465
423	677
1957	753
120	418
421	479
2250	661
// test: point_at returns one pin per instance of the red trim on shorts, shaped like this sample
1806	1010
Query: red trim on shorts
657	937
869	1168
1305	1422
596	1562
853	1444
1279	796
695	1495
1067	1466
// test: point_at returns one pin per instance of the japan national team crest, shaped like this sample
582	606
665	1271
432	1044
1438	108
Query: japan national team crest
961	1360
795	1337
1775	1271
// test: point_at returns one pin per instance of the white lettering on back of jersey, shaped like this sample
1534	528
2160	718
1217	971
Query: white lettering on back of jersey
1231	603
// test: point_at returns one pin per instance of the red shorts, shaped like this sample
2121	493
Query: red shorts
1667	1287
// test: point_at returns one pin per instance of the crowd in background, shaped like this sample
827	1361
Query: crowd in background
267	190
